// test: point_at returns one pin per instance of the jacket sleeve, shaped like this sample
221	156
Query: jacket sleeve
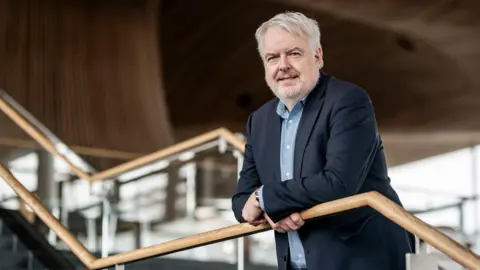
351	148
249	180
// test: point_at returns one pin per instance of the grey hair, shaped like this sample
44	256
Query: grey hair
293	22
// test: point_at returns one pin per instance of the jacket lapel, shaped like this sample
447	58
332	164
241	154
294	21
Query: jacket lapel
313	106
273	139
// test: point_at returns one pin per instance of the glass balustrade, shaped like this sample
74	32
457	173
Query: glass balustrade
181	195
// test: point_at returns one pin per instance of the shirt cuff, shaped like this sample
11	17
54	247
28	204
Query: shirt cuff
260	198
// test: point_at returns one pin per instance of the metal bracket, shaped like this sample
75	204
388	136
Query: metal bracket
222	145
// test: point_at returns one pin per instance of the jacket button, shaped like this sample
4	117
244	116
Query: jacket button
284	258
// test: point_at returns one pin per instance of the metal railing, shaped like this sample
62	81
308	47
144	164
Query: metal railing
219	138
375	200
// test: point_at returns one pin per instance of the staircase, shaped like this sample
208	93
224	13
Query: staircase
22	247
192	180
14	255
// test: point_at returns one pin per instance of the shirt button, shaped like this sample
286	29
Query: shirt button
290	121
288	146
287	174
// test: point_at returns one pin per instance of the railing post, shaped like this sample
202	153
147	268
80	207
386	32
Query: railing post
188	171
476	190
91	233
417	245
145	233
105	227
109	215
240	240
461	215
30	260
52	236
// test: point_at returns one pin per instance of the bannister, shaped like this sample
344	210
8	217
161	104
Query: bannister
77	248
372	199
37	136
139	161
177	148
82	150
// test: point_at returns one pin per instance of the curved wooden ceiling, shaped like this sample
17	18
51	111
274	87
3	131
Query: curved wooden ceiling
418	60
209	56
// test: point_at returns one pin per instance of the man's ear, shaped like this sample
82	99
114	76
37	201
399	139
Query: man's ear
319	56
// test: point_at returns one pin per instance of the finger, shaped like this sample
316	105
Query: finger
297	219
288	225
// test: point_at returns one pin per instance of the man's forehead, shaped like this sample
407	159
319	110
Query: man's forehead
276	32
278	39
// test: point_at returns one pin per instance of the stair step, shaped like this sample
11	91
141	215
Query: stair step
13	259
12	244
5	231
6	242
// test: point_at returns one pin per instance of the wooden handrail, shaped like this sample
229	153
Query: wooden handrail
37	136
174	149
81	150
77	248
139	161
375	200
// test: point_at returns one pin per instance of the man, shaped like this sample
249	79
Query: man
317	141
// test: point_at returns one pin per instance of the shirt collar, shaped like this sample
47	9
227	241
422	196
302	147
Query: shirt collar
282	108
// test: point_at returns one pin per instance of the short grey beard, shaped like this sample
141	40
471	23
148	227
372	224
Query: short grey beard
287	99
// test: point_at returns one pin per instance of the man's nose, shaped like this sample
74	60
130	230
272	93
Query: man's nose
284	64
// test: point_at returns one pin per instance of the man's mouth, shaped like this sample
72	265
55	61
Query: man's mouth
287	78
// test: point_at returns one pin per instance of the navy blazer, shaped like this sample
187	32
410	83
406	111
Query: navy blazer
338	153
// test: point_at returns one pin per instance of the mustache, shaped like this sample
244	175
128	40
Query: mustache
283	75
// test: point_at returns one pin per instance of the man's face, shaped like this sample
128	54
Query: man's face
291	66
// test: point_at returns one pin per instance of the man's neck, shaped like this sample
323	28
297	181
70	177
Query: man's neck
290	103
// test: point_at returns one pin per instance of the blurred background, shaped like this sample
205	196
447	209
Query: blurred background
109	81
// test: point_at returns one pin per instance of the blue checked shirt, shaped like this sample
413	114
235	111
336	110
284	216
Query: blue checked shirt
289	131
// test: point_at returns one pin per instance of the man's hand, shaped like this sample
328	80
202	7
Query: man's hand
288	224
252	211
